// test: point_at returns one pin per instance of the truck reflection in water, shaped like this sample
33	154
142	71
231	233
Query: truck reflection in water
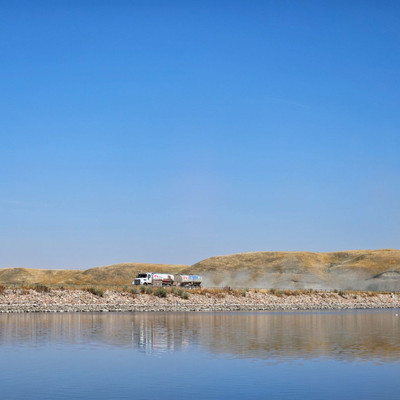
151	334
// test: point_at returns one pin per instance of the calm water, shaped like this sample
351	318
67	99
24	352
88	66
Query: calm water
333	355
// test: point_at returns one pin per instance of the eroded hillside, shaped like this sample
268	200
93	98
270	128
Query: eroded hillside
355	269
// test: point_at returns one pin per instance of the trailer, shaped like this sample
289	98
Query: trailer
189	280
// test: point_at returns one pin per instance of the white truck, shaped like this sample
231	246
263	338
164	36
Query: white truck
157	279
154	278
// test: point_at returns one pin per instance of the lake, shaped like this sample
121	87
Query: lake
288	355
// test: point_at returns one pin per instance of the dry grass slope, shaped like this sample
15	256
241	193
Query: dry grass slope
354	269
112	275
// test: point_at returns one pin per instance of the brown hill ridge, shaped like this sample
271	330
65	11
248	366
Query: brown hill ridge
354	269
111	275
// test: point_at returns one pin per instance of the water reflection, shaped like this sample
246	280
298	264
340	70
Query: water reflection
371	335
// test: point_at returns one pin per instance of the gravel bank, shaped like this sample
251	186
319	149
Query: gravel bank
23	300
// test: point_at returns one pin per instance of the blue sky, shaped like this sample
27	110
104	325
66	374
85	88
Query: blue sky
169	132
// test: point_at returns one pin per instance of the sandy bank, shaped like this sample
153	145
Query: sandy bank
28	300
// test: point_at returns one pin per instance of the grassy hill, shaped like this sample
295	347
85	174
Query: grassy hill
111	275
355	269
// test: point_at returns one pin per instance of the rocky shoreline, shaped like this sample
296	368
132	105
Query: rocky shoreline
57	300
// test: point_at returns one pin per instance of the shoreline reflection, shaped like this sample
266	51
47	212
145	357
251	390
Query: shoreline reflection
349	336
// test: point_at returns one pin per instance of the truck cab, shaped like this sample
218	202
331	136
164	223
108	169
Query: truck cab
143	279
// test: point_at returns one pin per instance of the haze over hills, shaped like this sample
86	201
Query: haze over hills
354	269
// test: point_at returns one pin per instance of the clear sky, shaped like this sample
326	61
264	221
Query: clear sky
171	131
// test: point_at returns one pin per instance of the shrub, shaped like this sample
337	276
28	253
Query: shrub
142	289
149	290
239	293
95	291
181	293
2	289
41	288
185	295
341	293
276	292
133	291
160	292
